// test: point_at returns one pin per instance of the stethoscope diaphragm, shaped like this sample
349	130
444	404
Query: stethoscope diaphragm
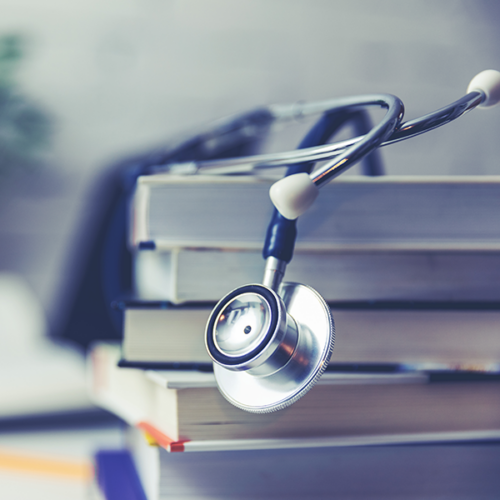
269	348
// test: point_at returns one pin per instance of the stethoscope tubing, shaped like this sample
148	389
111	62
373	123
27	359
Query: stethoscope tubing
400	132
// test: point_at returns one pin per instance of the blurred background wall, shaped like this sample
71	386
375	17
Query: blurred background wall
96	81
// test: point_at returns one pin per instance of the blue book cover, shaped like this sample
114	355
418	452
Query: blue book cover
117	476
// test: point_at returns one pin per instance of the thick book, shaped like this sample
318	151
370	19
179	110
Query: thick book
460	470
163	334
184	275
386	238
177	407
388	212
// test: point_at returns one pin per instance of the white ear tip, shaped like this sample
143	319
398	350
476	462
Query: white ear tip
487	82
293	195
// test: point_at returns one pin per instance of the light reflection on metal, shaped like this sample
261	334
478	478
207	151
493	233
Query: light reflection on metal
295	352
293	112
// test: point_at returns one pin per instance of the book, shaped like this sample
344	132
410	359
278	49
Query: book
437	470
184	275
117	476
33	386
369	238
363	213
162	334
181	407
31	364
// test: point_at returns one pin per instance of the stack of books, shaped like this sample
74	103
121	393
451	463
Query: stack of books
386	238
410	267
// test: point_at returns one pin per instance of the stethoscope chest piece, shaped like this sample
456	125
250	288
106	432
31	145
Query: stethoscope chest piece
269	348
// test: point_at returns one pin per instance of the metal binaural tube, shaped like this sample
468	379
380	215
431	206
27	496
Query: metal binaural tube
404	131
368	142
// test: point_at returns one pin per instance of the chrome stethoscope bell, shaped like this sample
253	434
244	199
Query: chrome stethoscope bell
269	348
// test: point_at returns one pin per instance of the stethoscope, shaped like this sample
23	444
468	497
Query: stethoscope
271	342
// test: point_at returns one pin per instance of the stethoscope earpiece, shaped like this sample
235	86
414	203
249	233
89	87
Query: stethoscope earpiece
269	348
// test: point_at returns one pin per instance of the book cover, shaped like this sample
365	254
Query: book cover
178	407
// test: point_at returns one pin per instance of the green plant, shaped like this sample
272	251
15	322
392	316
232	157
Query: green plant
25	129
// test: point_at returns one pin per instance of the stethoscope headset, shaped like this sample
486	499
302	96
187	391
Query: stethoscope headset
270	342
